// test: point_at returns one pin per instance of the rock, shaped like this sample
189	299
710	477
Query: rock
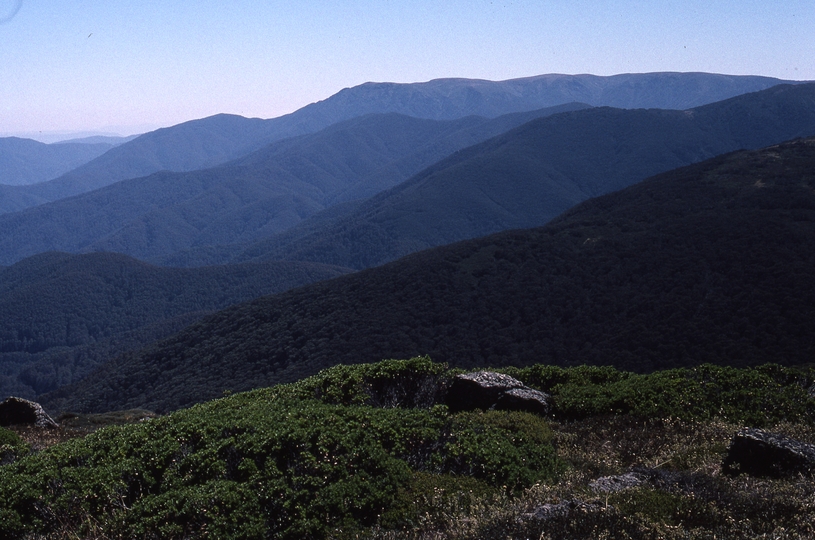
489	390
613	484
563	510
18	411
479	390
759	453
525	399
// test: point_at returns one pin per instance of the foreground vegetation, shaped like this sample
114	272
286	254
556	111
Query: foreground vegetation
371	451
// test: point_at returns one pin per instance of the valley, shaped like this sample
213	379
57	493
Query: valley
272	312
278	211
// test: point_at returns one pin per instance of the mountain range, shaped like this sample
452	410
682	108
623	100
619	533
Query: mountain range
706	263
23	161
260	194
445	99
211	141
369	175
529	175
519	178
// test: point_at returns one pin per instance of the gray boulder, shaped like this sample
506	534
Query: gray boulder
525	399
479	390
489	390
759	453
17	411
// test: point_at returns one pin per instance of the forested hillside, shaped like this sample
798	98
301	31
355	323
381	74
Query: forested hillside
526	177
64	314
258	195
708	263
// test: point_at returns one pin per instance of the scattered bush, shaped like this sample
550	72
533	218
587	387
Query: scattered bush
366	450
414	383
510	449
9	438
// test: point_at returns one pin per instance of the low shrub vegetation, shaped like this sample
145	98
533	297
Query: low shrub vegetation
758	396
370	451
11	446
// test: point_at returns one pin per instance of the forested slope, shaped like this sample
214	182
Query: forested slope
708	263
64	314
258	195
526	177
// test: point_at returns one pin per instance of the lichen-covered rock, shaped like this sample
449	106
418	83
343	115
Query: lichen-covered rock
525	399
18	411
759	453
613	484
479	390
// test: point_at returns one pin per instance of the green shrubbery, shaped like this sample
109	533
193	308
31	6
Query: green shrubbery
271	461
11	446
351	448
418	382
8	438
756	396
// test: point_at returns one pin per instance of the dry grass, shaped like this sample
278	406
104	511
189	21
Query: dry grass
72	426
40	438
685	494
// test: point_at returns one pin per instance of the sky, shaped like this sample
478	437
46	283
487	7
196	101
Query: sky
130	66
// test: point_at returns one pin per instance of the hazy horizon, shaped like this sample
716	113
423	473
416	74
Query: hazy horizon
102	68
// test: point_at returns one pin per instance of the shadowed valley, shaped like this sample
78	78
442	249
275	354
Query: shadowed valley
708	263
65	314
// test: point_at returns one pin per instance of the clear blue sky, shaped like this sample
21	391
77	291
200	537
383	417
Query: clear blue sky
130	66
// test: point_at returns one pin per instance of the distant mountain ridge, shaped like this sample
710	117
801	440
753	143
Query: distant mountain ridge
258	195
529	175
25	161
708	263
211	141
442	99
521	178
193	145
113	140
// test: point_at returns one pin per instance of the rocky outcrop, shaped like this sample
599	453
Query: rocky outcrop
18	411
478	390
759	453
489	390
